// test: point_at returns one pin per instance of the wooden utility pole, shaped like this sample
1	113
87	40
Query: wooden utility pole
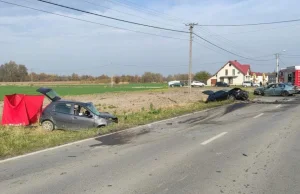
112	81
191	25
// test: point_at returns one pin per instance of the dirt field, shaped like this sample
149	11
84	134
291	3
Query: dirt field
124	102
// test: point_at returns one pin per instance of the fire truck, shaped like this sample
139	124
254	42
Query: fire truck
290	75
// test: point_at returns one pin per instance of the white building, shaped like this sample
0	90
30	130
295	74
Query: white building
235	73
232	73
257	77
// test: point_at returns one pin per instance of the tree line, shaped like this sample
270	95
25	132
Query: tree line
13	72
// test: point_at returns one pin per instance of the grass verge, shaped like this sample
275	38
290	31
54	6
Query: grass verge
20	140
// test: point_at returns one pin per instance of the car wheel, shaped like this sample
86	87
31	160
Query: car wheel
231	97
172	86
285	93
48	125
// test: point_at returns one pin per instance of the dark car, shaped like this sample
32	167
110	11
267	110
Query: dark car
234	94
66	114
221	84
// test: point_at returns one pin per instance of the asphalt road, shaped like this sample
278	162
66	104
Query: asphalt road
241	148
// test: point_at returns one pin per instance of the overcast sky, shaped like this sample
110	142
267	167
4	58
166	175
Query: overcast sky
54	44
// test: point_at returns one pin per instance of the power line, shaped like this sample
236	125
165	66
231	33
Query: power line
112	18
109	26
141	8
226	49
282	61
253	24
291	55
122	12
220	38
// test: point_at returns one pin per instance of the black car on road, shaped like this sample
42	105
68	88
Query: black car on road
67	114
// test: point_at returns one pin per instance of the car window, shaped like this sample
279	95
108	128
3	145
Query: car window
63	108
81	111
281	85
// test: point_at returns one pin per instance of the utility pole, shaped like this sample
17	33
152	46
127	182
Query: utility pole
191	25
31	76
112	81
277	67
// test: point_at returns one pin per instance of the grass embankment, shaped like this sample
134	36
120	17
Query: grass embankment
19	140
71	90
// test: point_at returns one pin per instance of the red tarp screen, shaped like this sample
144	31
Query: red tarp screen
20	109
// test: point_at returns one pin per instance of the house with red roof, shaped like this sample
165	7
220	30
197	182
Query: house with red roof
235	73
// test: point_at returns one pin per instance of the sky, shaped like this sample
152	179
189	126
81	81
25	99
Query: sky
54	44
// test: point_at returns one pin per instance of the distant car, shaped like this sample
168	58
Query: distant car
221	84
250	84
234	94
275	90
67	114
175	84
197	84
255	84
247	84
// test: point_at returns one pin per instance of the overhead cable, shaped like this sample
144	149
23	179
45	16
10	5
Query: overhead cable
226	49
112	18
253	24
109	26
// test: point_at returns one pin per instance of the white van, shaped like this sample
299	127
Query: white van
247	84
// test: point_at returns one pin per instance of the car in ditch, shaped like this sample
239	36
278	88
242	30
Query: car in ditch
280	89
233	94
68	114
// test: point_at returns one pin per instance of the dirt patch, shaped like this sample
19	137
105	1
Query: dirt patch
125	102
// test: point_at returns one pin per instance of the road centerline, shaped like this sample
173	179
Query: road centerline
261	114
213	138
279	105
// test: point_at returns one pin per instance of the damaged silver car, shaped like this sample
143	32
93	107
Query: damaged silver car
66	114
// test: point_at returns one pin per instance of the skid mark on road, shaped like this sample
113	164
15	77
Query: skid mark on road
213	138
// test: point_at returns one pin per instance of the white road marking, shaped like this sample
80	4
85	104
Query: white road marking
213	138
261	114
183	178
279	105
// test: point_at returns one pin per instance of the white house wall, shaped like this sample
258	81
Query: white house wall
236	81
259	79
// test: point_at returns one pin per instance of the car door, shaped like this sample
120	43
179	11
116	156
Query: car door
80	119
269	91
62	115
278	89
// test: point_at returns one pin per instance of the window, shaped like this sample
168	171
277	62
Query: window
226	71
63	108
230	81
233	72
81	111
